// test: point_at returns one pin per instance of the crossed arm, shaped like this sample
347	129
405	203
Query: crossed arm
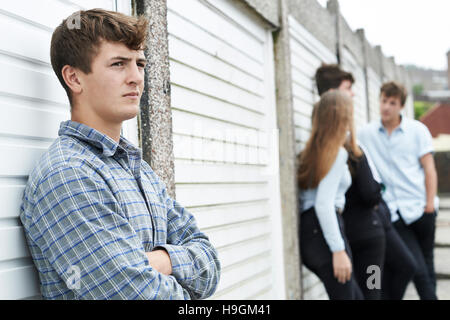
74	220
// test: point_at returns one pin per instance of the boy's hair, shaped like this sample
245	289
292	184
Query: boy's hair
330	76
394	89
76	44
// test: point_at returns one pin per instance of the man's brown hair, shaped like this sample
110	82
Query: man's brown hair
394	89
76	40
330	76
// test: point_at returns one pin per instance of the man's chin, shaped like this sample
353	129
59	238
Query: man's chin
130	112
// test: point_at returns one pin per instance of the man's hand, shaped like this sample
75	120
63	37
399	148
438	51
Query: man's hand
159	259
429	208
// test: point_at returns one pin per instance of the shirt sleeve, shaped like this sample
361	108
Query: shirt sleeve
425	140
324	204
195	263
76	222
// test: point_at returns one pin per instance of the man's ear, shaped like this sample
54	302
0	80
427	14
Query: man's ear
70	76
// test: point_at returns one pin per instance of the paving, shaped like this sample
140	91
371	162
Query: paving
441	255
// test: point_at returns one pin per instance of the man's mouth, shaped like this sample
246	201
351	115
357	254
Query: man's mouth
132	95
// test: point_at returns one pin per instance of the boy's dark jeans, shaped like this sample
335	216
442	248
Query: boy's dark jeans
419	238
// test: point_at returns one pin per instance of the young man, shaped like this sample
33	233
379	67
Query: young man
402	151
98	220
332	77
372	238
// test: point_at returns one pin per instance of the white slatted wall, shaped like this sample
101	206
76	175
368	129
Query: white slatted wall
307	54
350	64
32	105
374	83
223	107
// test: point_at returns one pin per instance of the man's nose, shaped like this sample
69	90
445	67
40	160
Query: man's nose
135	75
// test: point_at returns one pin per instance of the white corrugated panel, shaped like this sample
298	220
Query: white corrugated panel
226	166
307	54
409	105
374	83
350	64
32	104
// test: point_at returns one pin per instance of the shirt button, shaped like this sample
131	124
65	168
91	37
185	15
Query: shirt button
315	231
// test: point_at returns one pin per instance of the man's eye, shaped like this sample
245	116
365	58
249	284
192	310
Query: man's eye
118	64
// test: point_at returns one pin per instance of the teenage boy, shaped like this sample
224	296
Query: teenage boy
369	244
98	220
402	152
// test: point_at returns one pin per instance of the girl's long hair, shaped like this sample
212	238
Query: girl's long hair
331	118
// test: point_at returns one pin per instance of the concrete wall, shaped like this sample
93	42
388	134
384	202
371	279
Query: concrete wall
321	23
268	9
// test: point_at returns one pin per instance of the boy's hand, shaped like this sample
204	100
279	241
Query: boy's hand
159	259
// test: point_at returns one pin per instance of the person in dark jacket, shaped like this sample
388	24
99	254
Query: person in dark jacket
373	240
364	228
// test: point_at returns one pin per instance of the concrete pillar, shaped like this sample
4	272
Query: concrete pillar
333	8
379	54
364	44
156	116
288	184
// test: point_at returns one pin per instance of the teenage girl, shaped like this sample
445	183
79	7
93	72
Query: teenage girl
323	179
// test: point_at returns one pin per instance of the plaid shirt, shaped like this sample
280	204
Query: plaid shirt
93	207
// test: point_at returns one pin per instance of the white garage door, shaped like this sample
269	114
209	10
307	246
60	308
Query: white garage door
374	83
32	105
226	161
307	54
350	64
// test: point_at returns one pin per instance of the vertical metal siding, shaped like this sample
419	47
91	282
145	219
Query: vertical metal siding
307	54
223	116
350	64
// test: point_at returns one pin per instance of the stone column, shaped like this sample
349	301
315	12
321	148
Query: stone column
155	120
288	185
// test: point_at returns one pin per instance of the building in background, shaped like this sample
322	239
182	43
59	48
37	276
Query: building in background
438	122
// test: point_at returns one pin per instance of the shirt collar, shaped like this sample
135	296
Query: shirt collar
97	139
401	127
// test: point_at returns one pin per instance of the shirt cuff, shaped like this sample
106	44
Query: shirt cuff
339	246
182	264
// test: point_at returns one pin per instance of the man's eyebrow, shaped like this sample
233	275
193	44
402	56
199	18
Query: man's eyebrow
121	58
128	59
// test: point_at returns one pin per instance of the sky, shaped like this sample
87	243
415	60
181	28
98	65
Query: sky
413	31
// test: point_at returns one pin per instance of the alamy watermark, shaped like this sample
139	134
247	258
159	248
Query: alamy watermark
374	280
74	21
73	281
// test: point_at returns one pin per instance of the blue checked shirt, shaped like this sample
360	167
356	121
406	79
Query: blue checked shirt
92	208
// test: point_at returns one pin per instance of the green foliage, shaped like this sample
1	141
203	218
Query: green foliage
417	89
421	107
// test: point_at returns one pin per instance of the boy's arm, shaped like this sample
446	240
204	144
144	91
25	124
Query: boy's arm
429	168
194	260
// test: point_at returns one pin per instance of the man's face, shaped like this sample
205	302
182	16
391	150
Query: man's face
390	108
114	87
346	86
